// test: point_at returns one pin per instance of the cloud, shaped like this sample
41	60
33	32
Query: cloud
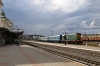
92	25
57	15
53	5
59	27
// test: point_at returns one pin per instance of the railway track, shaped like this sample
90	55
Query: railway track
74	55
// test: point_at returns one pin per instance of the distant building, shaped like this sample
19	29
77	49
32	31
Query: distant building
31	37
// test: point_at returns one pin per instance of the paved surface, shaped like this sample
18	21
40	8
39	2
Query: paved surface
23	55
85	47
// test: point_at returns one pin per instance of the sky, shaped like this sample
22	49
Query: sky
53	17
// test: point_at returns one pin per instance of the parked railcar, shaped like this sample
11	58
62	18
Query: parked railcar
45	39
72	38
91	38
55	38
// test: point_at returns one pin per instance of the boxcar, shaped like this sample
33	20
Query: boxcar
91	38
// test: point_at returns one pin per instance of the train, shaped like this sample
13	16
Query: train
70	38
91	38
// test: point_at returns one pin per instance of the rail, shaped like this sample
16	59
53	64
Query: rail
83	56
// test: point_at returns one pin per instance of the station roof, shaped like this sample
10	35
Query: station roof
13	34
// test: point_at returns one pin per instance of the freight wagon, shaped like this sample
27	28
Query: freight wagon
91	38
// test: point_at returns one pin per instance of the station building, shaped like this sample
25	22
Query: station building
8	33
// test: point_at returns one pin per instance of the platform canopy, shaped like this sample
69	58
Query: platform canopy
8	32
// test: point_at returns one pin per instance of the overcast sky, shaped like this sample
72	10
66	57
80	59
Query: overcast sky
54	16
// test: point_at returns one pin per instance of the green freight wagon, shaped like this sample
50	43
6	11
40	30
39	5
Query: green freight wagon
72	38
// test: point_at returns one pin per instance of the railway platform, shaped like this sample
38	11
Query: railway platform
84	47
84	54
24	55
